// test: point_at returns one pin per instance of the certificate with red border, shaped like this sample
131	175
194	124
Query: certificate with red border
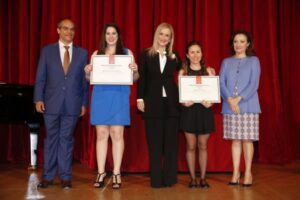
111	70
199	88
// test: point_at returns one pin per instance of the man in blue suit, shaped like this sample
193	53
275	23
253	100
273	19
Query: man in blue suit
61	94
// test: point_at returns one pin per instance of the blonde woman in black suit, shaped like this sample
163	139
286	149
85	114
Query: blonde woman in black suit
158	101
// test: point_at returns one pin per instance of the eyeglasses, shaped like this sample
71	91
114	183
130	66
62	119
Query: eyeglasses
64	28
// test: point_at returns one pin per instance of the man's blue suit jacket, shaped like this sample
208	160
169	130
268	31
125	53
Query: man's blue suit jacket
61	93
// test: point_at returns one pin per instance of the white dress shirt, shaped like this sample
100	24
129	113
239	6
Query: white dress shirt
62	51
162	63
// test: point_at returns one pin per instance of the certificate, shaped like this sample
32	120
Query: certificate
111	70
199	88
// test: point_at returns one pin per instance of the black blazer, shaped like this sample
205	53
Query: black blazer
150	84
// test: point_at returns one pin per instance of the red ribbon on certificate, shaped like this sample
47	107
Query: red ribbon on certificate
198	80
111	59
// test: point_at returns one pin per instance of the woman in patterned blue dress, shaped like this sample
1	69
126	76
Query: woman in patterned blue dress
110	108
239	79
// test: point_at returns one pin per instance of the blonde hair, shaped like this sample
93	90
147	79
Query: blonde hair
169	48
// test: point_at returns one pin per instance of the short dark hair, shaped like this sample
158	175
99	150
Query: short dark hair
250	50
59	24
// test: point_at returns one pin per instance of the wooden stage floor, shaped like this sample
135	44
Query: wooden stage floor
271	182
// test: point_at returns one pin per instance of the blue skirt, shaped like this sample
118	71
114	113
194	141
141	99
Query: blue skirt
110	105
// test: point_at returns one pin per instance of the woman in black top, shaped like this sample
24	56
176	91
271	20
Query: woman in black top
197	119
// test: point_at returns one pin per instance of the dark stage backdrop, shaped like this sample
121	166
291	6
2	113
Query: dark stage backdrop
27	25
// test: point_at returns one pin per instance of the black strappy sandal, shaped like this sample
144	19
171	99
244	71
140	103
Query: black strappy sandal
98	183
115	184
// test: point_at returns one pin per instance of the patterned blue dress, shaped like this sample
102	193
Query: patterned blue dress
110	104
240	77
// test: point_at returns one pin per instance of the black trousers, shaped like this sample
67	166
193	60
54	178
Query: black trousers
162	138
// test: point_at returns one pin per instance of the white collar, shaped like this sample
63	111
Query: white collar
61	44
164	52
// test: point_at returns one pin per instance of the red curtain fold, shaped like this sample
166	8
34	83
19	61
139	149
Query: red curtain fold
27	25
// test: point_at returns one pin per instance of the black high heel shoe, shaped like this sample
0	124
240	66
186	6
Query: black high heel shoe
203	184
193	183
115	183
247	184
235	183
98	183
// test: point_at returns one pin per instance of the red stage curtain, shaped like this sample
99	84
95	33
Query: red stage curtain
27	25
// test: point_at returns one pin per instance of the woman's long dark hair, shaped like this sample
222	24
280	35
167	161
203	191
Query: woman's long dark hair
187	62
250	50
103	44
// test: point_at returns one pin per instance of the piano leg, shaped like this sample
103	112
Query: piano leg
34	130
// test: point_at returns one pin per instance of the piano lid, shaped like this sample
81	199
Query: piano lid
16	103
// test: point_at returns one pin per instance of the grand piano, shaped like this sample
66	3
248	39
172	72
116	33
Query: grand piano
16	106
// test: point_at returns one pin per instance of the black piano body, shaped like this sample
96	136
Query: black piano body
16	106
